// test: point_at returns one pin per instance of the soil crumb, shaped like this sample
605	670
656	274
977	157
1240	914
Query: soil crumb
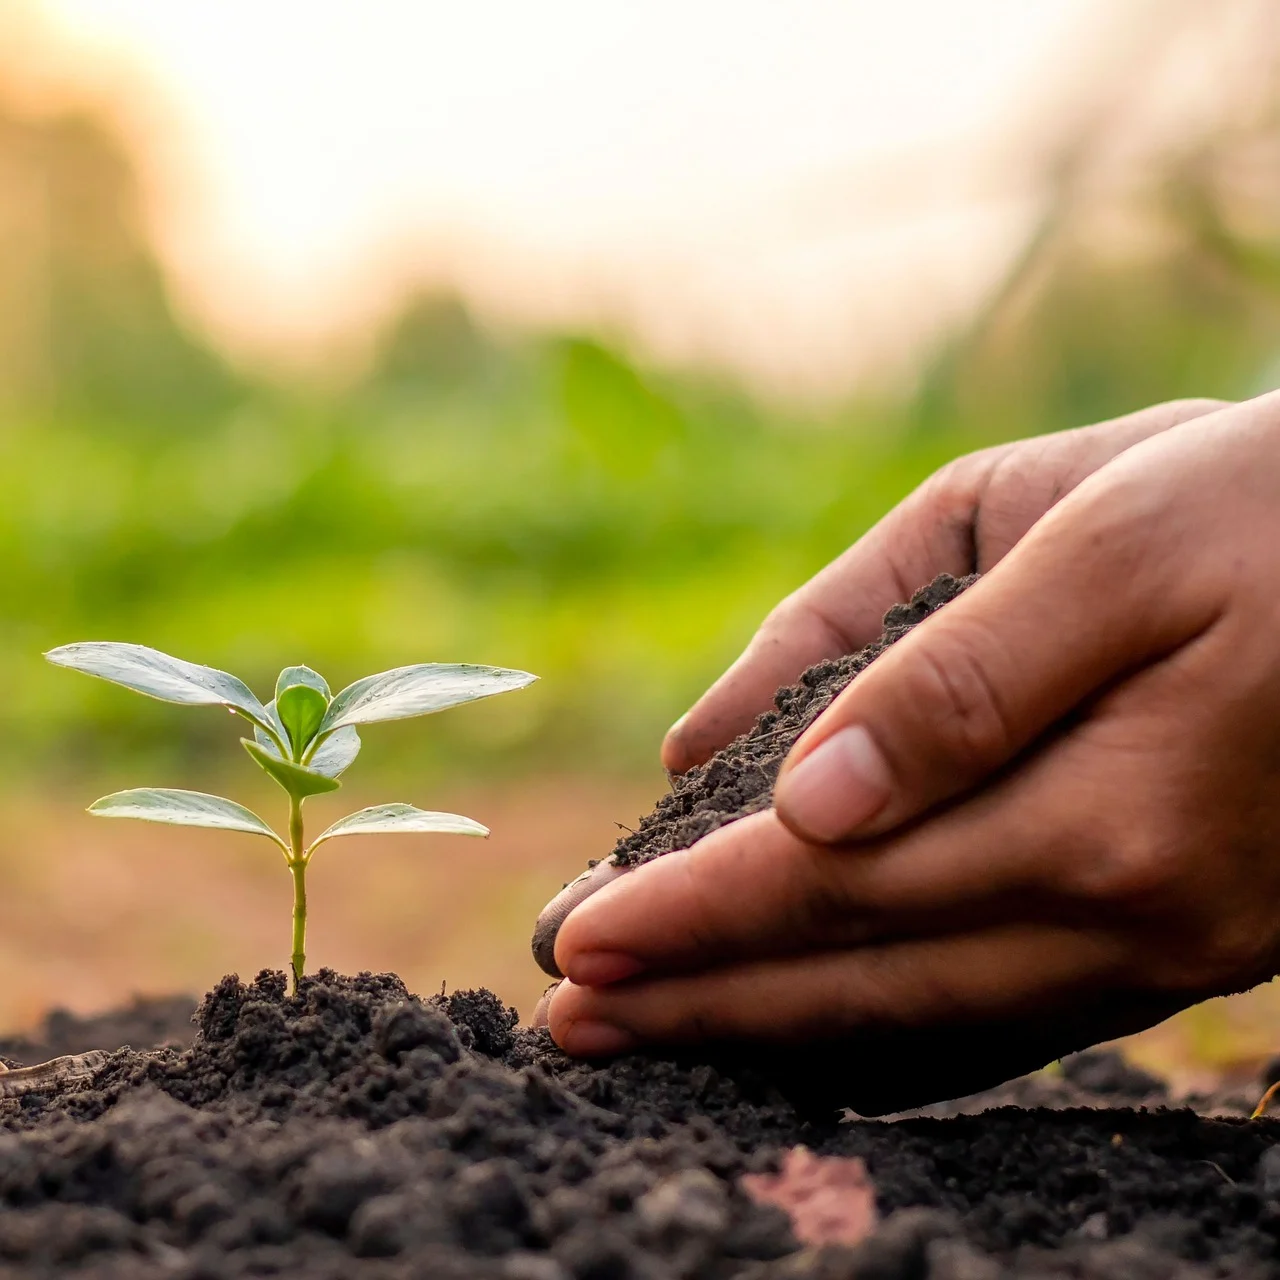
354	1130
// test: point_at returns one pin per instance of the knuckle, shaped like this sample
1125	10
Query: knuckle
1204	958
791	617
1151	879
895	991
781	618
955	690
952	492
823	907
1231	956
1130	867
704	894
1188	407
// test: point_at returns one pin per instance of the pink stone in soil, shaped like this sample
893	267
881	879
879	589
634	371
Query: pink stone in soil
829	1199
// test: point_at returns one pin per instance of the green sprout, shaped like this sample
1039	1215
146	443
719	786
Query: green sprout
304	738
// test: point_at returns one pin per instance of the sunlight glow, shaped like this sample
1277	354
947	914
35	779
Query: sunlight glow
574	159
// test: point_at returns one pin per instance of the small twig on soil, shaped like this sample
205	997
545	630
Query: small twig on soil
74	1068
1215	1165
773	733
622	826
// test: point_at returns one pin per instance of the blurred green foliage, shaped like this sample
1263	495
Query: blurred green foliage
540	503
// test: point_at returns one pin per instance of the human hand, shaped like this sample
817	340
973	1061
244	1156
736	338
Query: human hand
963	520
1115	681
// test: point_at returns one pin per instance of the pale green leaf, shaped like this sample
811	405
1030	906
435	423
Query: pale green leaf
182	809
159	676
383	819
418	691
296	779
263	739
301	708
336	752
291	676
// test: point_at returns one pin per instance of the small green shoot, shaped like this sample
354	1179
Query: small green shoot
304	738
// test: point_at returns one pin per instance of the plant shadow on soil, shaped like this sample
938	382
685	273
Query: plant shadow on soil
356	1130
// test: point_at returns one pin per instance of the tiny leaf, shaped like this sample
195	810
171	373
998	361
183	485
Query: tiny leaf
296	779
291	676
182	809
263	739
159	676
301	708
418	691
381	819
336	753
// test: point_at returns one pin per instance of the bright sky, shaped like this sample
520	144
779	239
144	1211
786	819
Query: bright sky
743	180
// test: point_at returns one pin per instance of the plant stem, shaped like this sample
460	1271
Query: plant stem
298	869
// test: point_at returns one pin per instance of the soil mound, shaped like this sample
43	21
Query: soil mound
355	1130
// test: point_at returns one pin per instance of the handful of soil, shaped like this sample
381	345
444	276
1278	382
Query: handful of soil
878	1070
739	779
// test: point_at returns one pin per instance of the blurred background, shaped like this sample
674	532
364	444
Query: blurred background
566	337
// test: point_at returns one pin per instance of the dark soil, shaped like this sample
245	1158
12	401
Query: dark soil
357	1131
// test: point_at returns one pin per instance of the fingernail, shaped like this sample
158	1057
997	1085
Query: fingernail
837	787
557	911
542	1010
596	1040
600	968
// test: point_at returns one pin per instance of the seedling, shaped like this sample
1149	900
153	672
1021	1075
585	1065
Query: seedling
304	739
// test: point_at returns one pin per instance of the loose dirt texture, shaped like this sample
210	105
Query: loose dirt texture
357	1131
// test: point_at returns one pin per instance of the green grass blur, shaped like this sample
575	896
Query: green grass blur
537	502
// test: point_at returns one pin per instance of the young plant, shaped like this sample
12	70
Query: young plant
304	739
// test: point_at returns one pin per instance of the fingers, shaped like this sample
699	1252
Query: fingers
985	676
554	913
964	519
994	974
754	889
542	1010
835	613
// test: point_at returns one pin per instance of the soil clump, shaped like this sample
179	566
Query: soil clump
354	1130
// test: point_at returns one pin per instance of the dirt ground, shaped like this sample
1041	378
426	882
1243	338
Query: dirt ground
354	1130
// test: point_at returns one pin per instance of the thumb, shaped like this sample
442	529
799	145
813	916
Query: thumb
990	672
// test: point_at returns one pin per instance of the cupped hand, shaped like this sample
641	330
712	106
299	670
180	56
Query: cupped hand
963	520
1051	812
